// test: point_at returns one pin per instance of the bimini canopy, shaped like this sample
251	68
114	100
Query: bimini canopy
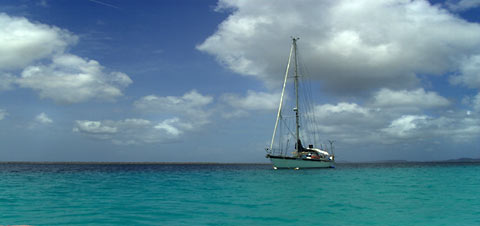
318	151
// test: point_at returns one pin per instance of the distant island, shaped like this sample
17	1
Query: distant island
459	160
463	160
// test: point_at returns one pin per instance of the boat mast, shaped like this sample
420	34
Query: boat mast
279	115
297	118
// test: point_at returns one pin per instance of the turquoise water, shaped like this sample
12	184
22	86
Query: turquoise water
351	194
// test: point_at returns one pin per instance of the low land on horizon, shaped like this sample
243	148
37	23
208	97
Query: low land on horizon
459	160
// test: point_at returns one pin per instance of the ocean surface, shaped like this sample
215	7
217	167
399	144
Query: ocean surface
215	194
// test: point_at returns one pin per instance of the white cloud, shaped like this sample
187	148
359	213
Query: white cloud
405	125
6	81
462	5
132	131
42	118
168	126
253	100
76	79
472	104
463	130
183	114
191	108
24	42
341	108
411	99
350	123
190	101
353	46
476	103
3	114
377	54
235	113
93	127
469	73
454	127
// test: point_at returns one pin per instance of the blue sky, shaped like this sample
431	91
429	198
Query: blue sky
107	80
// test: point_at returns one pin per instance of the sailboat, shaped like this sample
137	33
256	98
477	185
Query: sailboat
286	150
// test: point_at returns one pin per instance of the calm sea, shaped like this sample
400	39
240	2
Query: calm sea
142	194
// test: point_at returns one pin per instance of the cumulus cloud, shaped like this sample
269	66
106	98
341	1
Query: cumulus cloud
190	101
476	103
24	42
348	122
42	118
28	46
77	80
181	114
404	125
375	54
414	99
94	127
253	100
6	81
472	103
341	108
462	5
469	73
169	126
191	107
353	124
352	46
464	129
3	114
456	128
132	131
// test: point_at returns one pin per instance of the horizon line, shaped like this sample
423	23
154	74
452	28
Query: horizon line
459	160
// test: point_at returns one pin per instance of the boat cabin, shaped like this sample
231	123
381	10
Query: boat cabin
314	153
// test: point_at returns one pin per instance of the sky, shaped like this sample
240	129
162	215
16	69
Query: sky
199	81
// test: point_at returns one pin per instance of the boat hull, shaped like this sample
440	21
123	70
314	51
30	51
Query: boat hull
281	162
